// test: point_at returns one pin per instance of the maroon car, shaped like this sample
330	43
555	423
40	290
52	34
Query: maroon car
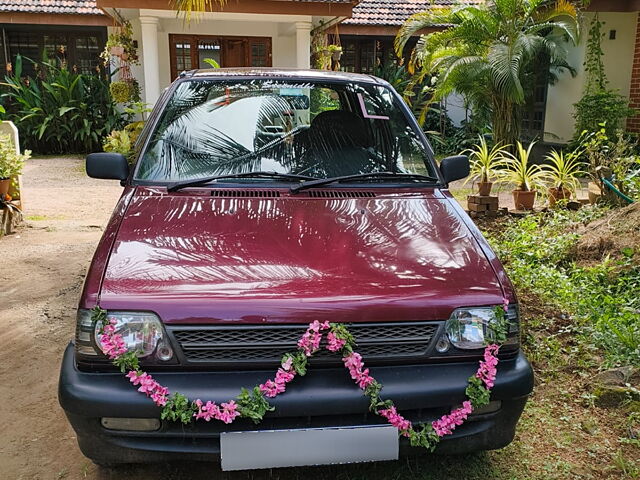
262	200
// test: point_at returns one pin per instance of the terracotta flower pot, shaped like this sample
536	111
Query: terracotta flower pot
116	50
484	188
556	194
524	200
5	184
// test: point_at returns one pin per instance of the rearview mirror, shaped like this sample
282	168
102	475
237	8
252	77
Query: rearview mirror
107	165
454	168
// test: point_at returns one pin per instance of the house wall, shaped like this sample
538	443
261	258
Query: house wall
618	61
283	41
289	34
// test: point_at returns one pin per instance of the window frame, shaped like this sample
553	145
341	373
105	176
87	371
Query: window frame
193	41
70	32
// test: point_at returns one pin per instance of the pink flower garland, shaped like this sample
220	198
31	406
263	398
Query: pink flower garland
114	346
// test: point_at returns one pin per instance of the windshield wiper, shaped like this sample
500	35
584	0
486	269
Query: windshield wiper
201	181
385	176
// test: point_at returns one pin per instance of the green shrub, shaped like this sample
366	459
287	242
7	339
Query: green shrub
601	299
603	107
60	111
11	162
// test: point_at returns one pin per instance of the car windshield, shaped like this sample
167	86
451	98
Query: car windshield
316	129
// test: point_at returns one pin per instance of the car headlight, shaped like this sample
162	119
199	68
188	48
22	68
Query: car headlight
142	333
470	328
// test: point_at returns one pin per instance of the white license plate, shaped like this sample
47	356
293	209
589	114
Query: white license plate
315	446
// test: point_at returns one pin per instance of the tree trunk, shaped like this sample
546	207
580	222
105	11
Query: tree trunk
506	122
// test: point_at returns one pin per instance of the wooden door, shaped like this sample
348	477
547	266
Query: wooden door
235	53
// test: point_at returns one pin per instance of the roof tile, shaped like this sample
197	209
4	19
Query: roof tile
69	7
394	12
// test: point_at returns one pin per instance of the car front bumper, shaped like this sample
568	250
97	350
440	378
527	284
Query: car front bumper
325	397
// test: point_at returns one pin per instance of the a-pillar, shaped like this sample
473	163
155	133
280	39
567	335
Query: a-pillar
303	44
150	63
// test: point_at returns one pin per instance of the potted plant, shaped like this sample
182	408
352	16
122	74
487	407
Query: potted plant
485	164
11	163
335	51
526	176
121	44
562	171
120	91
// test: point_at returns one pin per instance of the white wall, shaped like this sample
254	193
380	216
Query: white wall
283	44
618	62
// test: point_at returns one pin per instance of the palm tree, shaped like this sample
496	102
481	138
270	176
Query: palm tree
489	51
191	7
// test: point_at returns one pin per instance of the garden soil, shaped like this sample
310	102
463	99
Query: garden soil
616	234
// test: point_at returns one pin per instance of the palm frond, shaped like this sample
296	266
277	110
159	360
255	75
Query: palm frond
194	8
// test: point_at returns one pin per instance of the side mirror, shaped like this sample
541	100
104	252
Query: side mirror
454	168
107	165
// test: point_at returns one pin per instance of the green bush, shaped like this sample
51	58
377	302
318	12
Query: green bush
603	107
600	298
11	162
60	111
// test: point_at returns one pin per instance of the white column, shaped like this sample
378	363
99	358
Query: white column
150	63
303	44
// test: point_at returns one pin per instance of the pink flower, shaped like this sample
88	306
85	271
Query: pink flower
283	377
210	410
271	388
159	396
487	370
448	423
229	412
354	364
505	304
334	343
397	420
287	364
113	345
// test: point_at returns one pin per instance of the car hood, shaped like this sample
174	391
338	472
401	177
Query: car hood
195	258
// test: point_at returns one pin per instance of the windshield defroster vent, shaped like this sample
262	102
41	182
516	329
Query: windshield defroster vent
245	193
341	194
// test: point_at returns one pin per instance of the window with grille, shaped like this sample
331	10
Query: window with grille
190	51
77	47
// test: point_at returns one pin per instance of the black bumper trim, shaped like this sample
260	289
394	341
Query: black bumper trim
431	388
318	393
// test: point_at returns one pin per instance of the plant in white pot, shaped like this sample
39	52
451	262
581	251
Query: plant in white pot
11	163
562	171
526	176
486	164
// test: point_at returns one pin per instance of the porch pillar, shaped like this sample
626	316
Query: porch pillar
303	44
150	63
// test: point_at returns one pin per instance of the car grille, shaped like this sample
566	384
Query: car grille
265	345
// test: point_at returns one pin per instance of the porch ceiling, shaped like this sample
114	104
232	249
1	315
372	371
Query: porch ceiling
275	7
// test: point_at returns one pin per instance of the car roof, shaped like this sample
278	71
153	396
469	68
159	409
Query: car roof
284	73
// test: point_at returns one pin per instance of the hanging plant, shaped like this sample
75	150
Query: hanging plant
120	91
120	44
125	91
335	51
